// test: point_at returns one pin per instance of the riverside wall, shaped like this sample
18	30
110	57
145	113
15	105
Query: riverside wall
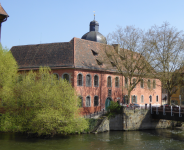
138	119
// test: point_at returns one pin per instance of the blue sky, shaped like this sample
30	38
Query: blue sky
50	21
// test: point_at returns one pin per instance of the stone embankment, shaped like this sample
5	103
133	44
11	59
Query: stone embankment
138	119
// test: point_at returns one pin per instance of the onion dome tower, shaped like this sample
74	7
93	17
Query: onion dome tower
93	34
3	17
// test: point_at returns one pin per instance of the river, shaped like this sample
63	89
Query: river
162	139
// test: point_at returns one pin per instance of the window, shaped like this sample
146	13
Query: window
99	63
117	82
55	76
96	80
96	101
154	84
109	92
142	99
134	99
109	81
79	80
149	84
134	82
88	101
126	82
81	101
142	83
66	77
94	53
157	98
150	99
88	80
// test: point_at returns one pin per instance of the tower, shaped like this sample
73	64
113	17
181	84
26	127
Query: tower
3	17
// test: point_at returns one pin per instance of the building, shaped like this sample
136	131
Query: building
78	61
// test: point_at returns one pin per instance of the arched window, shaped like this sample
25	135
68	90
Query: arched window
79	80
109	81
126	82
88	80
56	76
150	99
149	83
88	103
81	101
142	99
117	82
134	99
96	80
134	82
66	77
154	84
96	101
142	83
157	98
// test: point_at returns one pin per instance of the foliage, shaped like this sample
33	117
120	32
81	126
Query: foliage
113	109
43	104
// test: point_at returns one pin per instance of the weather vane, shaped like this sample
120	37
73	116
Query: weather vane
94	15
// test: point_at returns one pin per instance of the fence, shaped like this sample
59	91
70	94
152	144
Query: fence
98	113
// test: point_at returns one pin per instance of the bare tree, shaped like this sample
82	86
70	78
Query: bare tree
130	57
167	45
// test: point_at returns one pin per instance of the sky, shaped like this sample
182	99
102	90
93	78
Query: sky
52	21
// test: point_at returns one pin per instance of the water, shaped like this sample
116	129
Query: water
162	139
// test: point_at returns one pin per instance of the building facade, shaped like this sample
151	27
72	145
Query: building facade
78	61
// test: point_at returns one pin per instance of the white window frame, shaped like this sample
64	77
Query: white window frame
89	101
94	81
90	80
118	82
77	79
111	81
142	96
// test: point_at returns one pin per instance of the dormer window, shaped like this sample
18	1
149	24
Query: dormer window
94	53
113	64
98	62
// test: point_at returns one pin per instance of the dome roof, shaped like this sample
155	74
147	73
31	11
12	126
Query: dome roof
93	34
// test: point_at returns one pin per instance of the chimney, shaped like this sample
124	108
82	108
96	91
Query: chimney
116	47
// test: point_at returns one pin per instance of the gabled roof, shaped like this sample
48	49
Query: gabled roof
2	11
51	54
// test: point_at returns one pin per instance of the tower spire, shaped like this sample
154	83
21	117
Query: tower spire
94	15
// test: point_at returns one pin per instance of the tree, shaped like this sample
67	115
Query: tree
42	104
131	58
8	70
167	44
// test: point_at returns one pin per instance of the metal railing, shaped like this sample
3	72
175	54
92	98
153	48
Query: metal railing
98	113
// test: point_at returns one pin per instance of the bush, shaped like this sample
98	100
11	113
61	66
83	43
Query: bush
113	109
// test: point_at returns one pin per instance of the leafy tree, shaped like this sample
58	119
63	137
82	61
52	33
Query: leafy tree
43	104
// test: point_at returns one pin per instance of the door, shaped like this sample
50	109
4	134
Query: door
107	103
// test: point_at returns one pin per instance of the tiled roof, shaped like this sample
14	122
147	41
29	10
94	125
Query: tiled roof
2	11
52	55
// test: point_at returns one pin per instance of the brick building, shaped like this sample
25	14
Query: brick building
78	61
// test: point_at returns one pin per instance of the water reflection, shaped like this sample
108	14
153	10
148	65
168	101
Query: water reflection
114	140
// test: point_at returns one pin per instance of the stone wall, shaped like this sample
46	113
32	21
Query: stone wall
138	119
103	126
